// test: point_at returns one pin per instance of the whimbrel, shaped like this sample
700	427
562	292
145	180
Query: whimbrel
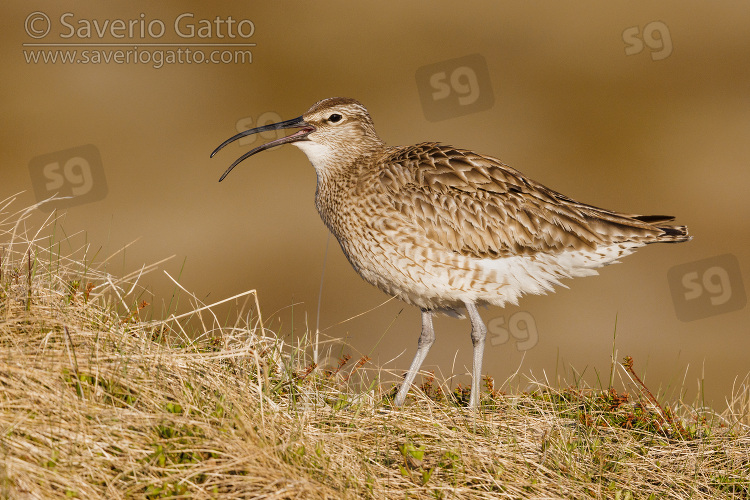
447	229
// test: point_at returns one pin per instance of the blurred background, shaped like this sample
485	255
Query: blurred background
631	106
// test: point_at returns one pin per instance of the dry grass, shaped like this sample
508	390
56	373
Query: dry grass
97	403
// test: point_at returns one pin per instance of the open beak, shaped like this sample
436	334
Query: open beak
300	135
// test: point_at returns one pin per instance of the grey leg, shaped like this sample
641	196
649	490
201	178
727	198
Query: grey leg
426	339
478	335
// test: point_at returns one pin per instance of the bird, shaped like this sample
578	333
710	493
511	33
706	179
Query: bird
446	229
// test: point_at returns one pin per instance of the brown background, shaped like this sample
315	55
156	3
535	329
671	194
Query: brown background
571	110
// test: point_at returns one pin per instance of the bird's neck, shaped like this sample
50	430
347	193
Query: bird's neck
336	158
337	170
333	193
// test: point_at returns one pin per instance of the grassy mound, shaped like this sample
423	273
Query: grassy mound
97	403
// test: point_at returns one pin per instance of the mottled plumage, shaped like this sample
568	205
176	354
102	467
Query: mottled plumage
447	229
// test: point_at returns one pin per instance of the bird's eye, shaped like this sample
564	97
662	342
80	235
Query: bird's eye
335	118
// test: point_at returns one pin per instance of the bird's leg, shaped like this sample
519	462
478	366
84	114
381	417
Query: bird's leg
426	339
478	335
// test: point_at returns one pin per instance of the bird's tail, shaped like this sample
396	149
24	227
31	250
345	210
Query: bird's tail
670	234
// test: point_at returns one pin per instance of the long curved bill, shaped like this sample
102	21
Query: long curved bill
300	135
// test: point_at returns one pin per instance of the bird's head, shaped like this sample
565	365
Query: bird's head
333	132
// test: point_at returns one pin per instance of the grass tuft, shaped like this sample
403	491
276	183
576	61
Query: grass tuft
97	401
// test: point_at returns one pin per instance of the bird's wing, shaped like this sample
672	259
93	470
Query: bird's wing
477	206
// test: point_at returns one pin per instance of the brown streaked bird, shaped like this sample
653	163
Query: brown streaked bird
447	229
